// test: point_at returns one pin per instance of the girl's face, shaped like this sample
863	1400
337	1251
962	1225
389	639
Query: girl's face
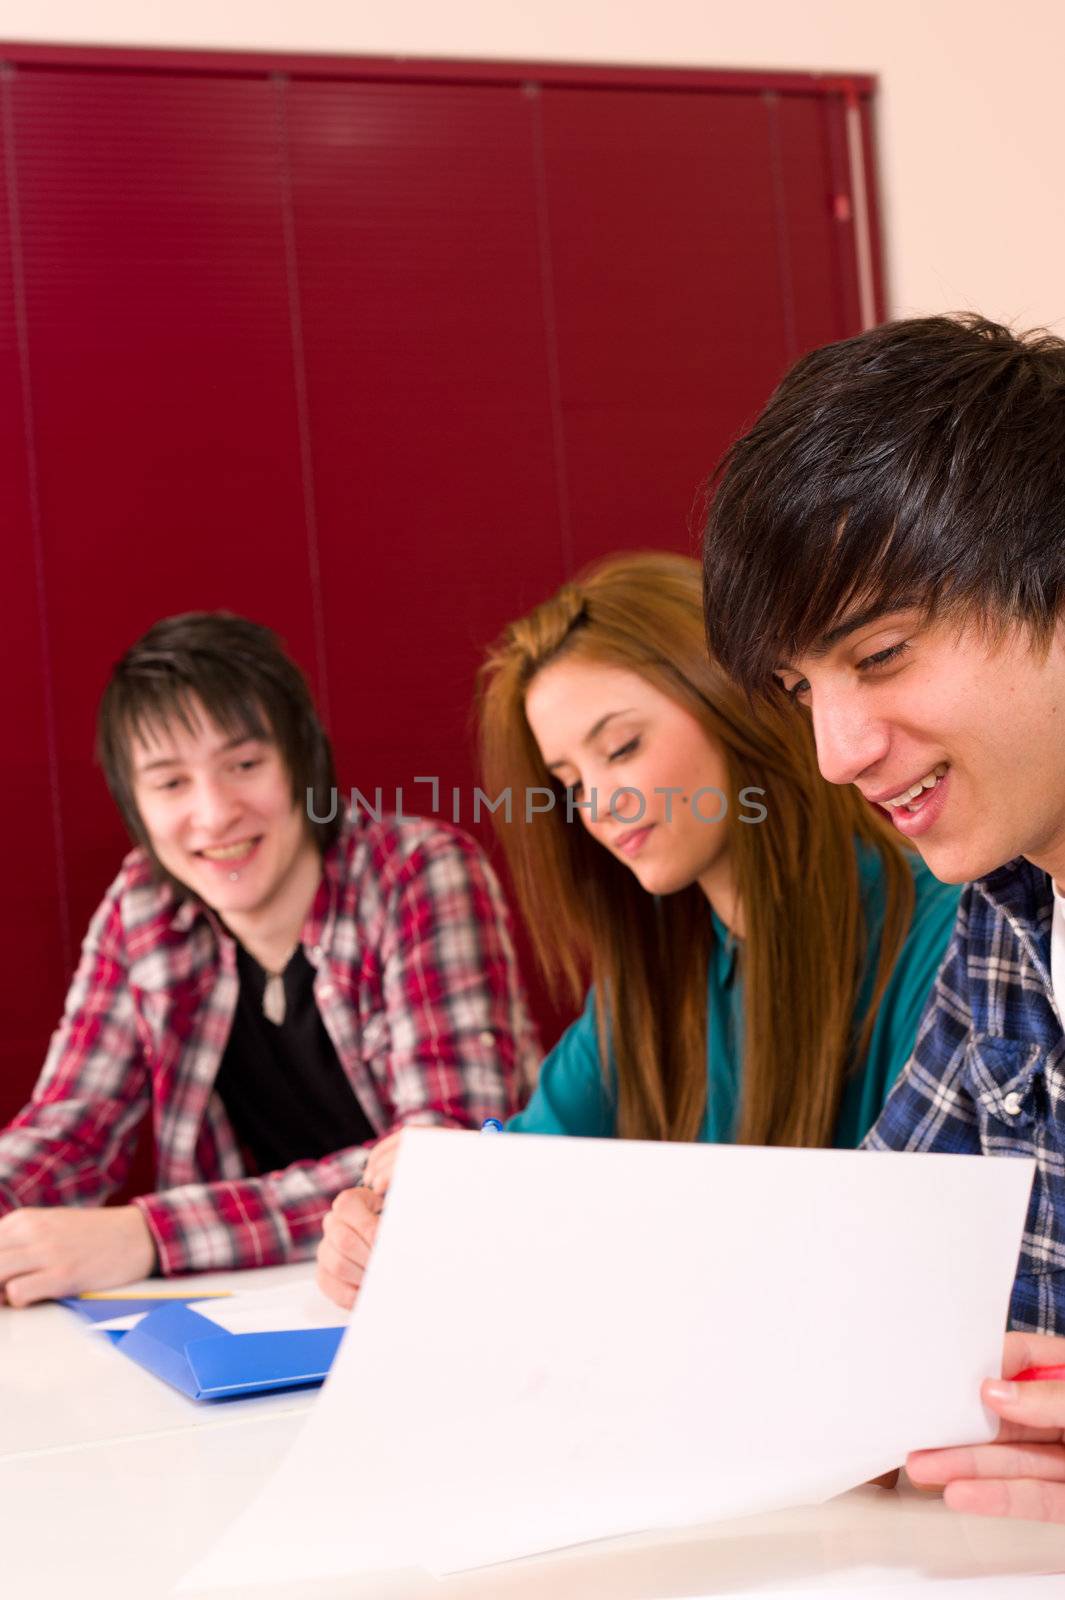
640	772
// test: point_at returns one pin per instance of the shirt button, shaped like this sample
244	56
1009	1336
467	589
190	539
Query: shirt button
487	1037
1012	1104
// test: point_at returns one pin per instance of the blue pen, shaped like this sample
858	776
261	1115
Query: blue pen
491	1125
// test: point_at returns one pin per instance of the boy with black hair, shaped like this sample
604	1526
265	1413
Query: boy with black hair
276	992
886	546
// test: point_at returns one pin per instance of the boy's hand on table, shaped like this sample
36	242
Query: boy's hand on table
1022	1473
348	1233
59	1250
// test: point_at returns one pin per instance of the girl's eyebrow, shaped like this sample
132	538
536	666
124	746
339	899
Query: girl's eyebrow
592	734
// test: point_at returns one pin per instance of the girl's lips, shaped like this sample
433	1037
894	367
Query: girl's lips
634	841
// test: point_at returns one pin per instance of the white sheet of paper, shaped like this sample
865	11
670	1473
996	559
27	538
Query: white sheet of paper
297	1305
559	1340
117	1324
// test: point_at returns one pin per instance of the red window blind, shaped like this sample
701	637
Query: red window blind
377	353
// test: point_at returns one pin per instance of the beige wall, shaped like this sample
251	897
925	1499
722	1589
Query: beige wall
970	116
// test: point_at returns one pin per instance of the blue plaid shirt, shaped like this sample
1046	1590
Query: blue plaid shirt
987	1074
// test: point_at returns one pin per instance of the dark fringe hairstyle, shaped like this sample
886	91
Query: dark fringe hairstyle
920	464
238	672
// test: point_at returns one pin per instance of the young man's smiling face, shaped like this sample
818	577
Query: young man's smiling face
221	818
977	721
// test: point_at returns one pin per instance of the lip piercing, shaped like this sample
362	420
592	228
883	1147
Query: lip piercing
234	877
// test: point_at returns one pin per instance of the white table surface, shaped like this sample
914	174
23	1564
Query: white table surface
113	1485
63	1384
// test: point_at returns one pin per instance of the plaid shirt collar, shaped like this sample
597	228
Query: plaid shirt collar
1011	990
1021	891
1024	895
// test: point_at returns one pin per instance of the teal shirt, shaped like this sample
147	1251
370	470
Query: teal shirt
572	1097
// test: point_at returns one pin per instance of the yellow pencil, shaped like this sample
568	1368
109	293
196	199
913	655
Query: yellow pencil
126	1294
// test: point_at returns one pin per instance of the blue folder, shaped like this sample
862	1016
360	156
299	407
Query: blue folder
205	1362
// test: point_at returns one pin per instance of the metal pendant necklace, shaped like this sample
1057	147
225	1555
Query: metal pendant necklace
274	1002
274	996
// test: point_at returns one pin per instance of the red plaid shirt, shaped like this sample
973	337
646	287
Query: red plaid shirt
417	985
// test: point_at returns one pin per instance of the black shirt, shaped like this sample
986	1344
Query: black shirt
284	1090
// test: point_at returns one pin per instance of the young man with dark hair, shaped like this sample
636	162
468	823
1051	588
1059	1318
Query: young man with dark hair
887	547
276	993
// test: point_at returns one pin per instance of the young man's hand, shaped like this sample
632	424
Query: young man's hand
381	1160
60	1250
348	1233
1021	1474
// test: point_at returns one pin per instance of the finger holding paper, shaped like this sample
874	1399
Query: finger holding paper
1022	1473
348	1233
382	1160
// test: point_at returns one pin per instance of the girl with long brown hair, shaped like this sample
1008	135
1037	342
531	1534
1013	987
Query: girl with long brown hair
758	942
